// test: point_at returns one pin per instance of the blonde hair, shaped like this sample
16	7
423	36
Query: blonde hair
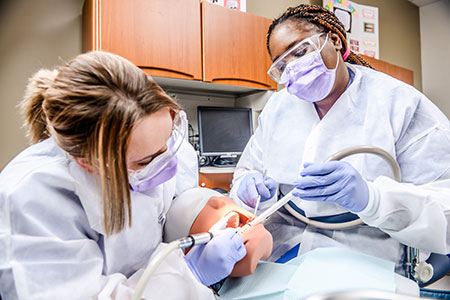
90	106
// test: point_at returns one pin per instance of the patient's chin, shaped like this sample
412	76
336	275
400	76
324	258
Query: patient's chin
245	267
258	243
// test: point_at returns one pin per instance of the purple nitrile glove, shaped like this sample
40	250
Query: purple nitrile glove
335	181
215	260
253	185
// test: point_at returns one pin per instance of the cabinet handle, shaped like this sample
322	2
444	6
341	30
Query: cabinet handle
265	85
147	69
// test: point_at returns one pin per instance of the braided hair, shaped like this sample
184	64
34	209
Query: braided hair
325	21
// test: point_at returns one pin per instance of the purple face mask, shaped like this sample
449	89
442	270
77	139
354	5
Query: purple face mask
308	77
164	166
153	180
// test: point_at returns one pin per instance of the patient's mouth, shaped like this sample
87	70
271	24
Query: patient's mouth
237	219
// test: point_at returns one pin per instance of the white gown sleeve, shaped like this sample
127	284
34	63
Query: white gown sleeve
49	251
416	212
415	215
50	268
171	280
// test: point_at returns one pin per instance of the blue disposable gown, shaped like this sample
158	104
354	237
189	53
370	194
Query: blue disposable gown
375	110
53	243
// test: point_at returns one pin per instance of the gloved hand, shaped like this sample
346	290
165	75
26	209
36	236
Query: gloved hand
253	185
334	181
215	260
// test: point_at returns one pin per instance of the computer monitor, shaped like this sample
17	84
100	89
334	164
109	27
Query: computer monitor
223	131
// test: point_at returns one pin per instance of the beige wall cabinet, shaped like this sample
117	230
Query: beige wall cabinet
181	39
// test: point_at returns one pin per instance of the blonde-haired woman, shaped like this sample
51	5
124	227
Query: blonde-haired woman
82	209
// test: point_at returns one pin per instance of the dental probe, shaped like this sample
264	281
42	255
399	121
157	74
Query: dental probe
259	195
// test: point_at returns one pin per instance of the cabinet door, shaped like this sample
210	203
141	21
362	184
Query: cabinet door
234	47
163	37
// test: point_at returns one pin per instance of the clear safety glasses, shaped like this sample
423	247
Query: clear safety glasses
299	50
158	163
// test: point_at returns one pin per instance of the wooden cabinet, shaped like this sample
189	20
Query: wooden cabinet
395	71
185	39
234	47
160	36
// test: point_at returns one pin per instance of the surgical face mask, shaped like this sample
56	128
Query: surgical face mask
305	76
164	166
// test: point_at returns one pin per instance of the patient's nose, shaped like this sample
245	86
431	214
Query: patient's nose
217	202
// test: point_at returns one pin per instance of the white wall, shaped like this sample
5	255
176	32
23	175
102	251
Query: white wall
33	34
435	46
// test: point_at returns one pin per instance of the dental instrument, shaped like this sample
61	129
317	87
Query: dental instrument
258	200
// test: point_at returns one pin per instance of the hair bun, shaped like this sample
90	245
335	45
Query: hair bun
31	105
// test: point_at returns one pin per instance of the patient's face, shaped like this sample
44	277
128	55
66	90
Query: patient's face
257	240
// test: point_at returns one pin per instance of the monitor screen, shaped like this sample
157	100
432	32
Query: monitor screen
223	130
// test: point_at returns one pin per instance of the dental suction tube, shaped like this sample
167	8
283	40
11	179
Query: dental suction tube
337	156
371	150
159	256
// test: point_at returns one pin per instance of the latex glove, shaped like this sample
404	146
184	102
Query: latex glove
336	181
253	185
215	260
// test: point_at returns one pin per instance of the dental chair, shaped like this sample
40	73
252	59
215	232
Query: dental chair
428	273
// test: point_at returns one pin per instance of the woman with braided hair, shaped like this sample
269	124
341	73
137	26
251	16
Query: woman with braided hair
333	100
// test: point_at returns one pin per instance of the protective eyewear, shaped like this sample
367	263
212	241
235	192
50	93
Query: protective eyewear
173	144
299	50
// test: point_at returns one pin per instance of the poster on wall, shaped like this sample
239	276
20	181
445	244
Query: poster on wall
360	22
233	4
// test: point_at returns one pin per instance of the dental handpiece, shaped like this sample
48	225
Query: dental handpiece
200	238
195	239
